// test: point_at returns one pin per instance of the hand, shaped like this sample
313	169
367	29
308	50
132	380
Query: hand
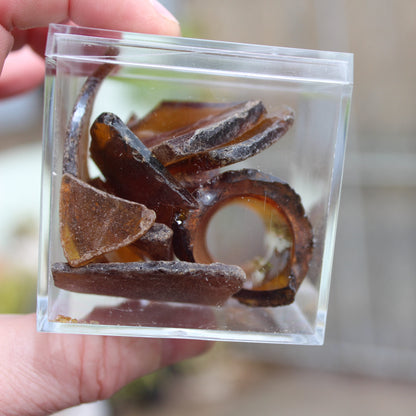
24	22
43	373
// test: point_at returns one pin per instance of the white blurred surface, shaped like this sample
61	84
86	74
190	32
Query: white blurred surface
89	409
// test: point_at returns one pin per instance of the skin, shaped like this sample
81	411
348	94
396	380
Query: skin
44	373
24	22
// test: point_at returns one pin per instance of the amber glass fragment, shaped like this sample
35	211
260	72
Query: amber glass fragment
279	204
77	134
133	171
247	145
100	184
165	281
206	133
93	222
171	116
123	254
136	312
156	244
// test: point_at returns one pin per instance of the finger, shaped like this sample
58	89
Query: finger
35	37
125	15
6	43
58	371
22	71
128	15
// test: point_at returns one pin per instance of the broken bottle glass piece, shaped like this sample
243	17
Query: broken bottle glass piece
283	215
165	281
170	116
206	133
175	118
93	222
133	171
156	244
77	134
254	141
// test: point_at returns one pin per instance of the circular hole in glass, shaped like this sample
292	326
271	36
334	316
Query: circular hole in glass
235	235
253	235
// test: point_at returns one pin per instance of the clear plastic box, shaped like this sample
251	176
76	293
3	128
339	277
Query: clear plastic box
190	188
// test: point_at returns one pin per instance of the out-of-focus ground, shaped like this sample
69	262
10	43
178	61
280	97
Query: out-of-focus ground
368	363
227	382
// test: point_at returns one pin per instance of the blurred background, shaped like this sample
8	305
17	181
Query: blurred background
368	362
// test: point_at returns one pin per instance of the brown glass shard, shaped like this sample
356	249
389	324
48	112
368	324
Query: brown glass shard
279	204
172	116
156	244
123	254
257	139
101	184
98	183
77	133
136	312
206	133
93	222
133	171
165	281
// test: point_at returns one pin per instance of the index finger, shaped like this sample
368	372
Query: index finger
147	16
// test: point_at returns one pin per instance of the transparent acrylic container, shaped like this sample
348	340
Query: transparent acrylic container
190	188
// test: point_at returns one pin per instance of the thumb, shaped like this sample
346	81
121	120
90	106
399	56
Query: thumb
22	71
44	373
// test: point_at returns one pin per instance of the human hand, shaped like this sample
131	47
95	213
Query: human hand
43	373
25	22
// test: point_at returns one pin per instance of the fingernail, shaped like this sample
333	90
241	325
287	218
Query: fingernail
163	11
